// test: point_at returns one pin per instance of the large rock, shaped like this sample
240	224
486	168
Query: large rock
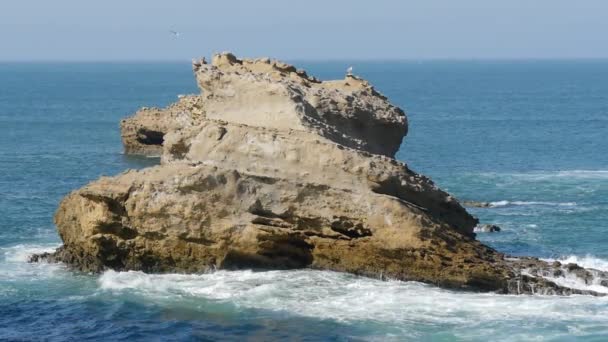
197	218
273	169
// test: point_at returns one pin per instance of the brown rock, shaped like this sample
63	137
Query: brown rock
271	94
270	168
305	156
144	132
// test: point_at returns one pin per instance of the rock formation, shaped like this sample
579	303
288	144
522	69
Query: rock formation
273	169
475	204
487	228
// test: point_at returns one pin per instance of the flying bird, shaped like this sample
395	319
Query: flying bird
175	34
349	71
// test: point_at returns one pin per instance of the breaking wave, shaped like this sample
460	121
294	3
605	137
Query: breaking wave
21	253
587	261
390	306
347	298
15	264
570	279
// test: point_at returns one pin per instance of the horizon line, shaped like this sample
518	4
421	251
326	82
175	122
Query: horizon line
317	59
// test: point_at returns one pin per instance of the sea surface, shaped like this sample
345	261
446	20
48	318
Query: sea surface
529	136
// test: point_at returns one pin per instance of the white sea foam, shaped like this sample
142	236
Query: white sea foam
587	261
572	281
583	173
547	175
21	253
15	264
399	307
499	204
342	297
388	305
569	279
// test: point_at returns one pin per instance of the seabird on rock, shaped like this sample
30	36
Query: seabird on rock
349	71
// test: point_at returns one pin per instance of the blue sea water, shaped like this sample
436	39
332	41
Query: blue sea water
529	136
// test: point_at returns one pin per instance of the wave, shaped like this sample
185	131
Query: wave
14	263
21	253
583	173
401	307
504	203
395	306
347	298
587	261
547	175
569	279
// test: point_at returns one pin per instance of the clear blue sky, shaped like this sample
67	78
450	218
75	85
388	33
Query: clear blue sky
303	29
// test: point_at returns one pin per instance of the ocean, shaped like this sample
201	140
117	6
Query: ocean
529	136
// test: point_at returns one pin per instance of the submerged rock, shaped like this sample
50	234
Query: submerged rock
476	204
273	169
578	278
487	228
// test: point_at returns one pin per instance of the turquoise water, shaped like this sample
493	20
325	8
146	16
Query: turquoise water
529	136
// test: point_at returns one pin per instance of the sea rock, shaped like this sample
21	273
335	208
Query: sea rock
273	169
476	204
193	218
487	228
556	272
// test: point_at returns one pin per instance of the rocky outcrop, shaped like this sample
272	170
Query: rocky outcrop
487	228
144	132
273	169
476	204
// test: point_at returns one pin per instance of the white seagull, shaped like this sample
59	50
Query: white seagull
175	34
349	71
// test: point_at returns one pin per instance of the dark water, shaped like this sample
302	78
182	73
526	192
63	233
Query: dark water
529	136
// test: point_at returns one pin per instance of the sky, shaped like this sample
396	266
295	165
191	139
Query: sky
83	30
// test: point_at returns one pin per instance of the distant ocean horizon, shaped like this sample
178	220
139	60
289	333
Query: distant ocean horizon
318	59
527	135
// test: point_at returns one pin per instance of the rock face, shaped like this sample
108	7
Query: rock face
274	95
273	169
144	132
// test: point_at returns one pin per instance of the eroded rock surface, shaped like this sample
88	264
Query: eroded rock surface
271	94
144	132
273	169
